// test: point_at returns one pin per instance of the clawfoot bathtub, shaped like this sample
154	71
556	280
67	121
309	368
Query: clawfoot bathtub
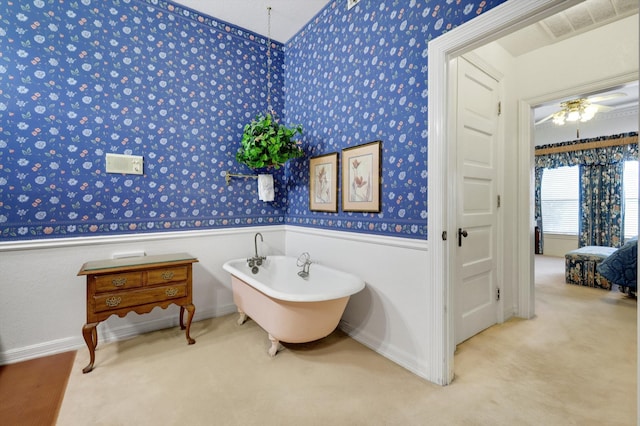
291	308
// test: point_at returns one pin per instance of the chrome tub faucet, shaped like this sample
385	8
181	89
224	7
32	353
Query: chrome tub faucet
256	260
304	261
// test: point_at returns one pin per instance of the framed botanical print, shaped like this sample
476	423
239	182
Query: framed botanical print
361	173
323	183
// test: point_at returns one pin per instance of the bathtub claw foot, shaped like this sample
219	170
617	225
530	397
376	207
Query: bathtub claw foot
275	346
243	318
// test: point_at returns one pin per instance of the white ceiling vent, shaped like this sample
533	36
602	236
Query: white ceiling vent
574	21
586	16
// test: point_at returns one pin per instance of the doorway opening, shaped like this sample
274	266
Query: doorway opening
503	20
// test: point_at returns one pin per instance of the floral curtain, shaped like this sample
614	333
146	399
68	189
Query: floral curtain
601	162
538	210
601	197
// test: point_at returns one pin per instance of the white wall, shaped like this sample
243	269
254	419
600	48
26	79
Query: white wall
389	315
559	245
590	57
42	300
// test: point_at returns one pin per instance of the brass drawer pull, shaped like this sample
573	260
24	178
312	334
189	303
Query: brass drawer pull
171	291
167	275
119	282
113	301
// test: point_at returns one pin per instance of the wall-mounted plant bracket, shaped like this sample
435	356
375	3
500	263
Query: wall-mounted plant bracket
229	175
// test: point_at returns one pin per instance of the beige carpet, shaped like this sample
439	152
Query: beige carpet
574	364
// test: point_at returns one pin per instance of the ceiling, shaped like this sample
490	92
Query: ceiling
287	16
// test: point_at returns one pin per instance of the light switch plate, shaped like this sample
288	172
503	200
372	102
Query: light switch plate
351	3
129	164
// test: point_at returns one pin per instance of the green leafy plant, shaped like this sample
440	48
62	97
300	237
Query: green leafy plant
267	143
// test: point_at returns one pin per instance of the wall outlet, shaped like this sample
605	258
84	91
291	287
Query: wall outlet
351	3
129	164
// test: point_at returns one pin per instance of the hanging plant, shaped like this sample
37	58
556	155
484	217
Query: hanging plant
267	143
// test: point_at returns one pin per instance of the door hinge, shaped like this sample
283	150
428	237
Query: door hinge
499	201
444	235
499	108
497	293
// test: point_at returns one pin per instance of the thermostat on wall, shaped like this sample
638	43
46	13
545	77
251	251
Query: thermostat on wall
130	164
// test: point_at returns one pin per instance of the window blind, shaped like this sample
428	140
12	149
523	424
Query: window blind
630	181
560	198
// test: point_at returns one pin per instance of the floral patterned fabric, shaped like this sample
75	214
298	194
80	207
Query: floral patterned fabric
601	197
581	266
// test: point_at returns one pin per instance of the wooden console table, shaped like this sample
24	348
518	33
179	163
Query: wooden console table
138	284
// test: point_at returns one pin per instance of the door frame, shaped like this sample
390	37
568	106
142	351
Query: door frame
490	26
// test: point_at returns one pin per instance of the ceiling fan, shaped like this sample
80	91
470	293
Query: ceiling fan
580	109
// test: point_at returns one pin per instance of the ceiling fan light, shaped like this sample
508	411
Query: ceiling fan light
558	119
586	117
591	109
589	113
573	116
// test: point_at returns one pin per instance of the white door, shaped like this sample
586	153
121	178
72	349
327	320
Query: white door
475	275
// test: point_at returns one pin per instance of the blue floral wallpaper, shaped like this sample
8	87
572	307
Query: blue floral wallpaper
360	76
80	79
83	78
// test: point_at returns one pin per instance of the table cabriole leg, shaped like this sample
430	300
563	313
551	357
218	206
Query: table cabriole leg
90	334
191	309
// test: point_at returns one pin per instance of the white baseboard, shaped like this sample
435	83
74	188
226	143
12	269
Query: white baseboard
106	336
42	349
400	357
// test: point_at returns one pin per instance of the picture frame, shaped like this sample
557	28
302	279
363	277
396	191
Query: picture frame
352	3
323	183
361	176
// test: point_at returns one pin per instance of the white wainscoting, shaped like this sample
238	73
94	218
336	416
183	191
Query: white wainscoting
389	315
42	300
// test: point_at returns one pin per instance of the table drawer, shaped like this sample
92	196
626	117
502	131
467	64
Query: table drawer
116	300
118	281
166	275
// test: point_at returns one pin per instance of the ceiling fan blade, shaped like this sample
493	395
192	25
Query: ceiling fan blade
548	117
601	98
603	108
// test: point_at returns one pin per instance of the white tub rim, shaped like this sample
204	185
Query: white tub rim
353	284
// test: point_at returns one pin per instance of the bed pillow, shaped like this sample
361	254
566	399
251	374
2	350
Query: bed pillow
621	266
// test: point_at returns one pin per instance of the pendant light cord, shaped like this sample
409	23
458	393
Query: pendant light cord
269	109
